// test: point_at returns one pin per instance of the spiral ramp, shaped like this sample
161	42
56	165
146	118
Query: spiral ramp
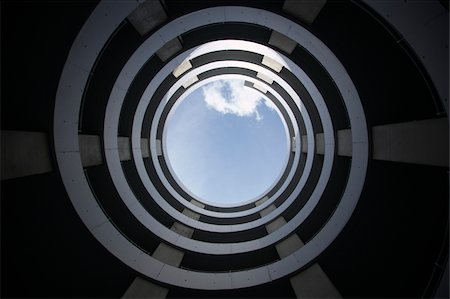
91	208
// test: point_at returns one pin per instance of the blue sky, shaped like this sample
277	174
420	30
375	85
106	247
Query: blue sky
225	143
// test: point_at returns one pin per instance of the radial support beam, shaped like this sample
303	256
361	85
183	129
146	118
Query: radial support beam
145	148
320	144
147	16
344	142
169	49
420	142
141	288
282	42
168	255
90	150
314	283
24	153
304	10
124	148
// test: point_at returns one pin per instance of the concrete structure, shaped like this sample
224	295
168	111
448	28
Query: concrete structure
364	108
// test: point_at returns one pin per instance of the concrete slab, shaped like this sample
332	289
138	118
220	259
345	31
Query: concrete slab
314	283
182	229
147	16
169	49
320	144
267	61
145	148
288	245
141	288
304	10
276	224
168	254
344	142
90	150
282	42
419	142
24	153
124	148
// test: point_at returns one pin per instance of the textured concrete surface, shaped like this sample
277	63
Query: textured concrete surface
124	148
344	142
169	49
320	144
147	16
168	254
288	245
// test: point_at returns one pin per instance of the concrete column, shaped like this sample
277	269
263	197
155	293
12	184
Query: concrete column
304	10
261	201
198	204
191	214
90	150
141	288
24	153
420	142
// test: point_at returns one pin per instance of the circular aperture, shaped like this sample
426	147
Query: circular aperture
226	143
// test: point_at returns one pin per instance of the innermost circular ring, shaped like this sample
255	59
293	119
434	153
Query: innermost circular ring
226	143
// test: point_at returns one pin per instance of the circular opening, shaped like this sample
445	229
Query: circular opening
225	143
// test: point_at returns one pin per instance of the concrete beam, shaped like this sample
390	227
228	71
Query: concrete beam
168	254
268	210
304	143
169	49
90	150
276	224
419	142
289	245
304	10
313	283
261	201
198	204
265	78
124	148
282	42
141	288
267	61
344	142
320	144
145	148
158	147
182	229
24	153
191	214
182	68
147	16
260	88
190	81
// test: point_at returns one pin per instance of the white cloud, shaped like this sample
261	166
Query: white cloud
231	96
